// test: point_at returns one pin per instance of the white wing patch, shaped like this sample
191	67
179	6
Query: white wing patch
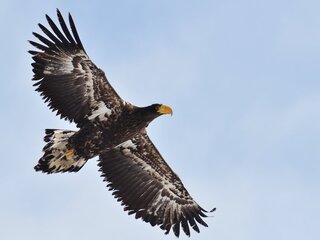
128	144
103	112
66	64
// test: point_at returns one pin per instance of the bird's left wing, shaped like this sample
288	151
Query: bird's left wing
67	79
146	185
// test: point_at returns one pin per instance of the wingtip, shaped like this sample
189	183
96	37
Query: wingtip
59	14
206	211
49	20
70	17
31	51
213	209
41	26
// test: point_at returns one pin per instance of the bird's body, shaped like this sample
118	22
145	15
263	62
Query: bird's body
93	138
110	128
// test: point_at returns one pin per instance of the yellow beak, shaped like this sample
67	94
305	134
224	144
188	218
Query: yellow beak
163	109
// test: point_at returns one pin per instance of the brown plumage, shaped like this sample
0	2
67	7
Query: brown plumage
115	130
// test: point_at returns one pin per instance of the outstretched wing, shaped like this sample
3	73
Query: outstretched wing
67	79
146	185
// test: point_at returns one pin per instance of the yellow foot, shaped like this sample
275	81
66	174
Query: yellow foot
69	154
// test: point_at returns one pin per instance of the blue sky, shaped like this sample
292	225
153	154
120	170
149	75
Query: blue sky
243	79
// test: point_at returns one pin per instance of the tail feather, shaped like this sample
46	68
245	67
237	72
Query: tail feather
57	156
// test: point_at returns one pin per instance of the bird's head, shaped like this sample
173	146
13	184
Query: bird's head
155	110
161	109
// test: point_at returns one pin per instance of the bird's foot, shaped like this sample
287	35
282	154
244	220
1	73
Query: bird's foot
69	154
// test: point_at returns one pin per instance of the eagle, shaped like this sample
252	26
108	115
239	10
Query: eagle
109	127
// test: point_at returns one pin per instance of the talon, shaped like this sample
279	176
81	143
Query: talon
69	154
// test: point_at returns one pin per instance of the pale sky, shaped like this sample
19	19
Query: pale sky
243	79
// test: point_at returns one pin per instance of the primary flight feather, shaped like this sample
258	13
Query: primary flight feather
109	127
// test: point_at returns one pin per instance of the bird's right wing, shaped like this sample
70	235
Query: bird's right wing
67	79
146	185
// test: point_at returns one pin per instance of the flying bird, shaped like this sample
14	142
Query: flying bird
109	127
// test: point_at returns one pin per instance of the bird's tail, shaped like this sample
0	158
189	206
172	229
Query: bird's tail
57	156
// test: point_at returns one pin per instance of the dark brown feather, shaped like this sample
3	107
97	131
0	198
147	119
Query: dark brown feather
139	177
65	28
69	82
